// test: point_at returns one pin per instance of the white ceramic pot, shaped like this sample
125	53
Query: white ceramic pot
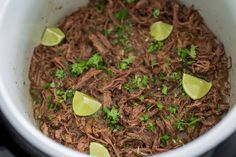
21	25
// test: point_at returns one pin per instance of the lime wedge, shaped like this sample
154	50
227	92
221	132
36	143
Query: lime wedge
84	105
98	150
160	30
195	87
52	36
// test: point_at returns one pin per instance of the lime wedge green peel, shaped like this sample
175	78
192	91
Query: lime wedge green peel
160	30
98	150
195	87
84	105
52	36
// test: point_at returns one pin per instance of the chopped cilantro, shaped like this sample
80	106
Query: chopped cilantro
145	80
124	64
176	76
187	55
60	92
112	115
164	90
122	14
145	117
156	13
49	99
52	106
173	109
151	127
180	125
164	138
66	94
78	68
141	98
160	105
107	32
130	1
158	45
60	73
101	6
95	61
193	121
52	85
136	82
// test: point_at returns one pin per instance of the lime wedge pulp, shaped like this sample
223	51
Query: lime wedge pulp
52	36
98	150
195	87
84	105
160	30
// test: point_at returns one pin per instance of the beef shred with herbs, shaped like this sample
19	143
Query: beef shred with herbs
108	53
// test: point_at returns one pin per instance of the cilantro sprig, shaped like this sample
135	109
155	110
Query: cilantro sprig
95	61
187	55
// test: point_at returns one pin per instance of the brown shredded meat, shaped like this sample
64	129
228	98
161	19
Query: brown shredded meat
172	119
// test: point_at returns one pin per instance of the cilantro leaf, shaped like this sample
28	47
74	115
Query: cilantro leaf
173	109
180	125
164	138
164	90
187	55
151	127
122	15
112	115
160	106
124	64
156	13
95	61
158	45
60	73
145	117
136	82
101	6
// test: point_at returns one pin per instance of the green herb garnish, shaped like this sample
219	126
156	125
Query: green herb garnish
157	45
180	125
136	82
101	6
164	90
145	117
156	13
160	105
112	115
141	98
194	121
60	73
165	138
52	85
187	55
122	15
124	64
151	127
130	1
95	61
173	109
107	32
52	106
